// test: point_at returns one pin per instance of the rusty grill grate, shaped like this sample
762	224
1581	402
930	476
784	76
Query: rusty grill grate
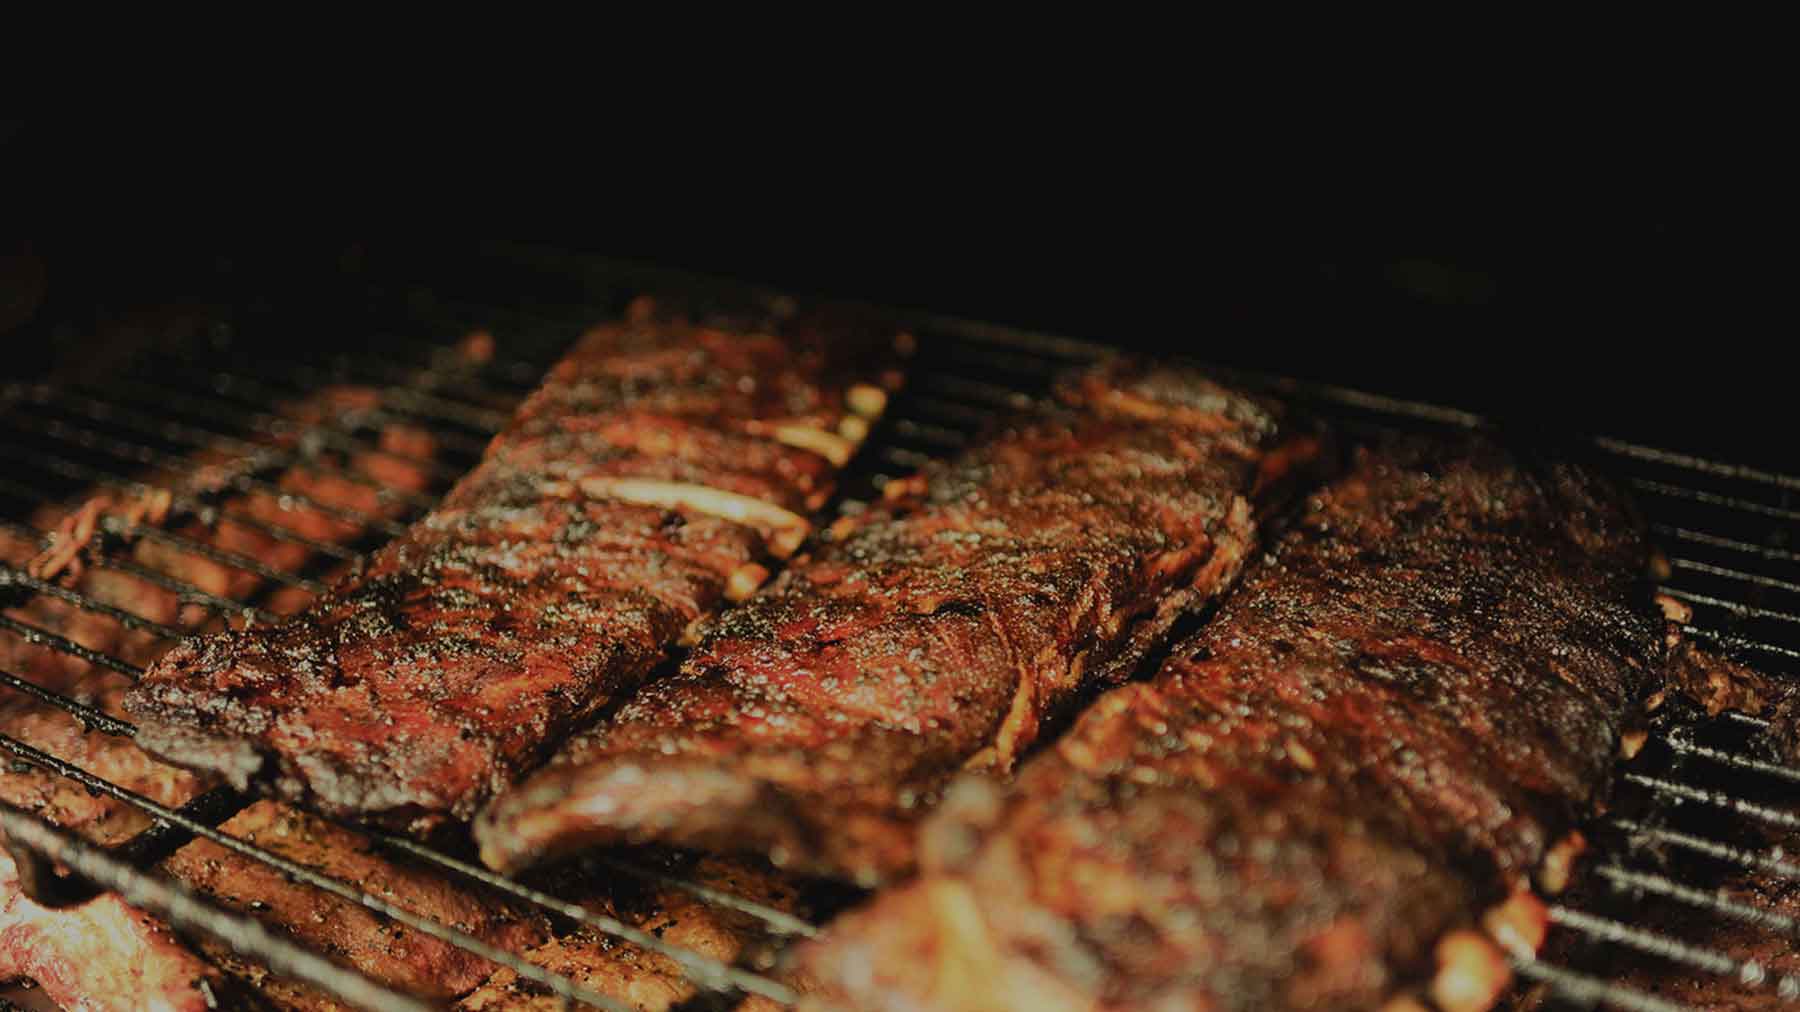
1700	808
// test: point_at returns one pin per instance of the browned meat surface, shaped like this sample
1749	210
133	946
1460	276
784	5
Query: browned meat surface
103	954
385	950
1377	736
641	978
1701	684
635	490
100	956
60	800
937	632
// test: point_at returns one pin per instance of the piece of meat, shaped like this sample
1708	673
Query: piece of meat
1377	737
387	951
625	500
99	956
937	632
325	478
103	954
644	979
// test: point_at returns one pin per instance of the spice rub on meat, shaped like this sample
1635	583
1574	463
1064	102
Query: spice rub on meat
641	485
934	632
1375	740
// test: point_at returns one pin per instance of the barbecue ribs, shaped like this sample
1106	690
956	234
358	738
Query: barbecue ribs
102	954
631	494
1377	737
938	631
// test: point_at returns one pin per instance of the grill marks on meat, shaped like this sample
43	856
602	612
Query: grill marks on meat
538	590
1378	734
937	631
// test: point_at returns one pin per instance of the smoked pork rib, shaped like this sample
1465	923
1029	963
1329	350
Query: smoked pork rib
1375	739
630	494
933	632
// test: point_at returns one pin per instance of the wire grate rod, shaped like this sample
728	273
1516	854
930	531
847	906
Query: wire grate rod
307	876
185	910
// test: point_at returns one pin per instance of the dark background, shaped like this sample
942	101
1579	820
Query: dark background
1664	329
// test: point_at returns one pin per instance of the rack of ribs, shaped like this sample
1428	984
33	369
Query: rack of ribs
644	483
1376	739
102	954
940	630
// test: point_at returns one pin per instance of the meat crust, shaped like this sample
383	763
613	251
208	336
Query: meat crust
1377	736
621	503
939	631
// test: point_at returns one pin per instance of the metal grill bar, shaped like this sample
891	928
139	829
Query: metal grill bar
1685	746
1711	848
239	479
1735	574
120	483
703	971
98	720
301	873
20	578
1592	991
40	637
1718	799
256	392
259	455
328	433
1662	946
1767	552
930	417
184	591
180	908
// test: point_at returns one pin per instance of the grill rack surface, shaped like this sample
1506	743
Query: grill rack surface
1696	790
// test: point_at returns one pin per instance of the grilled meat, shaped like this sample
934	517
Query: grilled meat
103	954
1378	735
1755	892
938	631
100	956
385	950
630	494
643	979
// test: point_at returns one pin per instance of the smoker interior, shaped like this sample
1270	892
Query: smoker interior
1699	805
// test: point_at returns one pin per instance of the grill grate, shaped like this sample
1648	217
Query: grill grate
1699	792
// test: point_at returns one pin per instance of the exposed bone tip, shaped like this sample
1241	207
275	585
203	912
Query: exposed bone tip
787	541
833	447
854	428
1631	743
1471	975
745	580
866	400
1519	924
783	529
1558	867
1673	610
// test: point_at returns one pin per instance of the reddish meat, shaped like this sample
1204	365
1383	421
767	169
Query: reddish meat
940	631
629	495
1378	735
